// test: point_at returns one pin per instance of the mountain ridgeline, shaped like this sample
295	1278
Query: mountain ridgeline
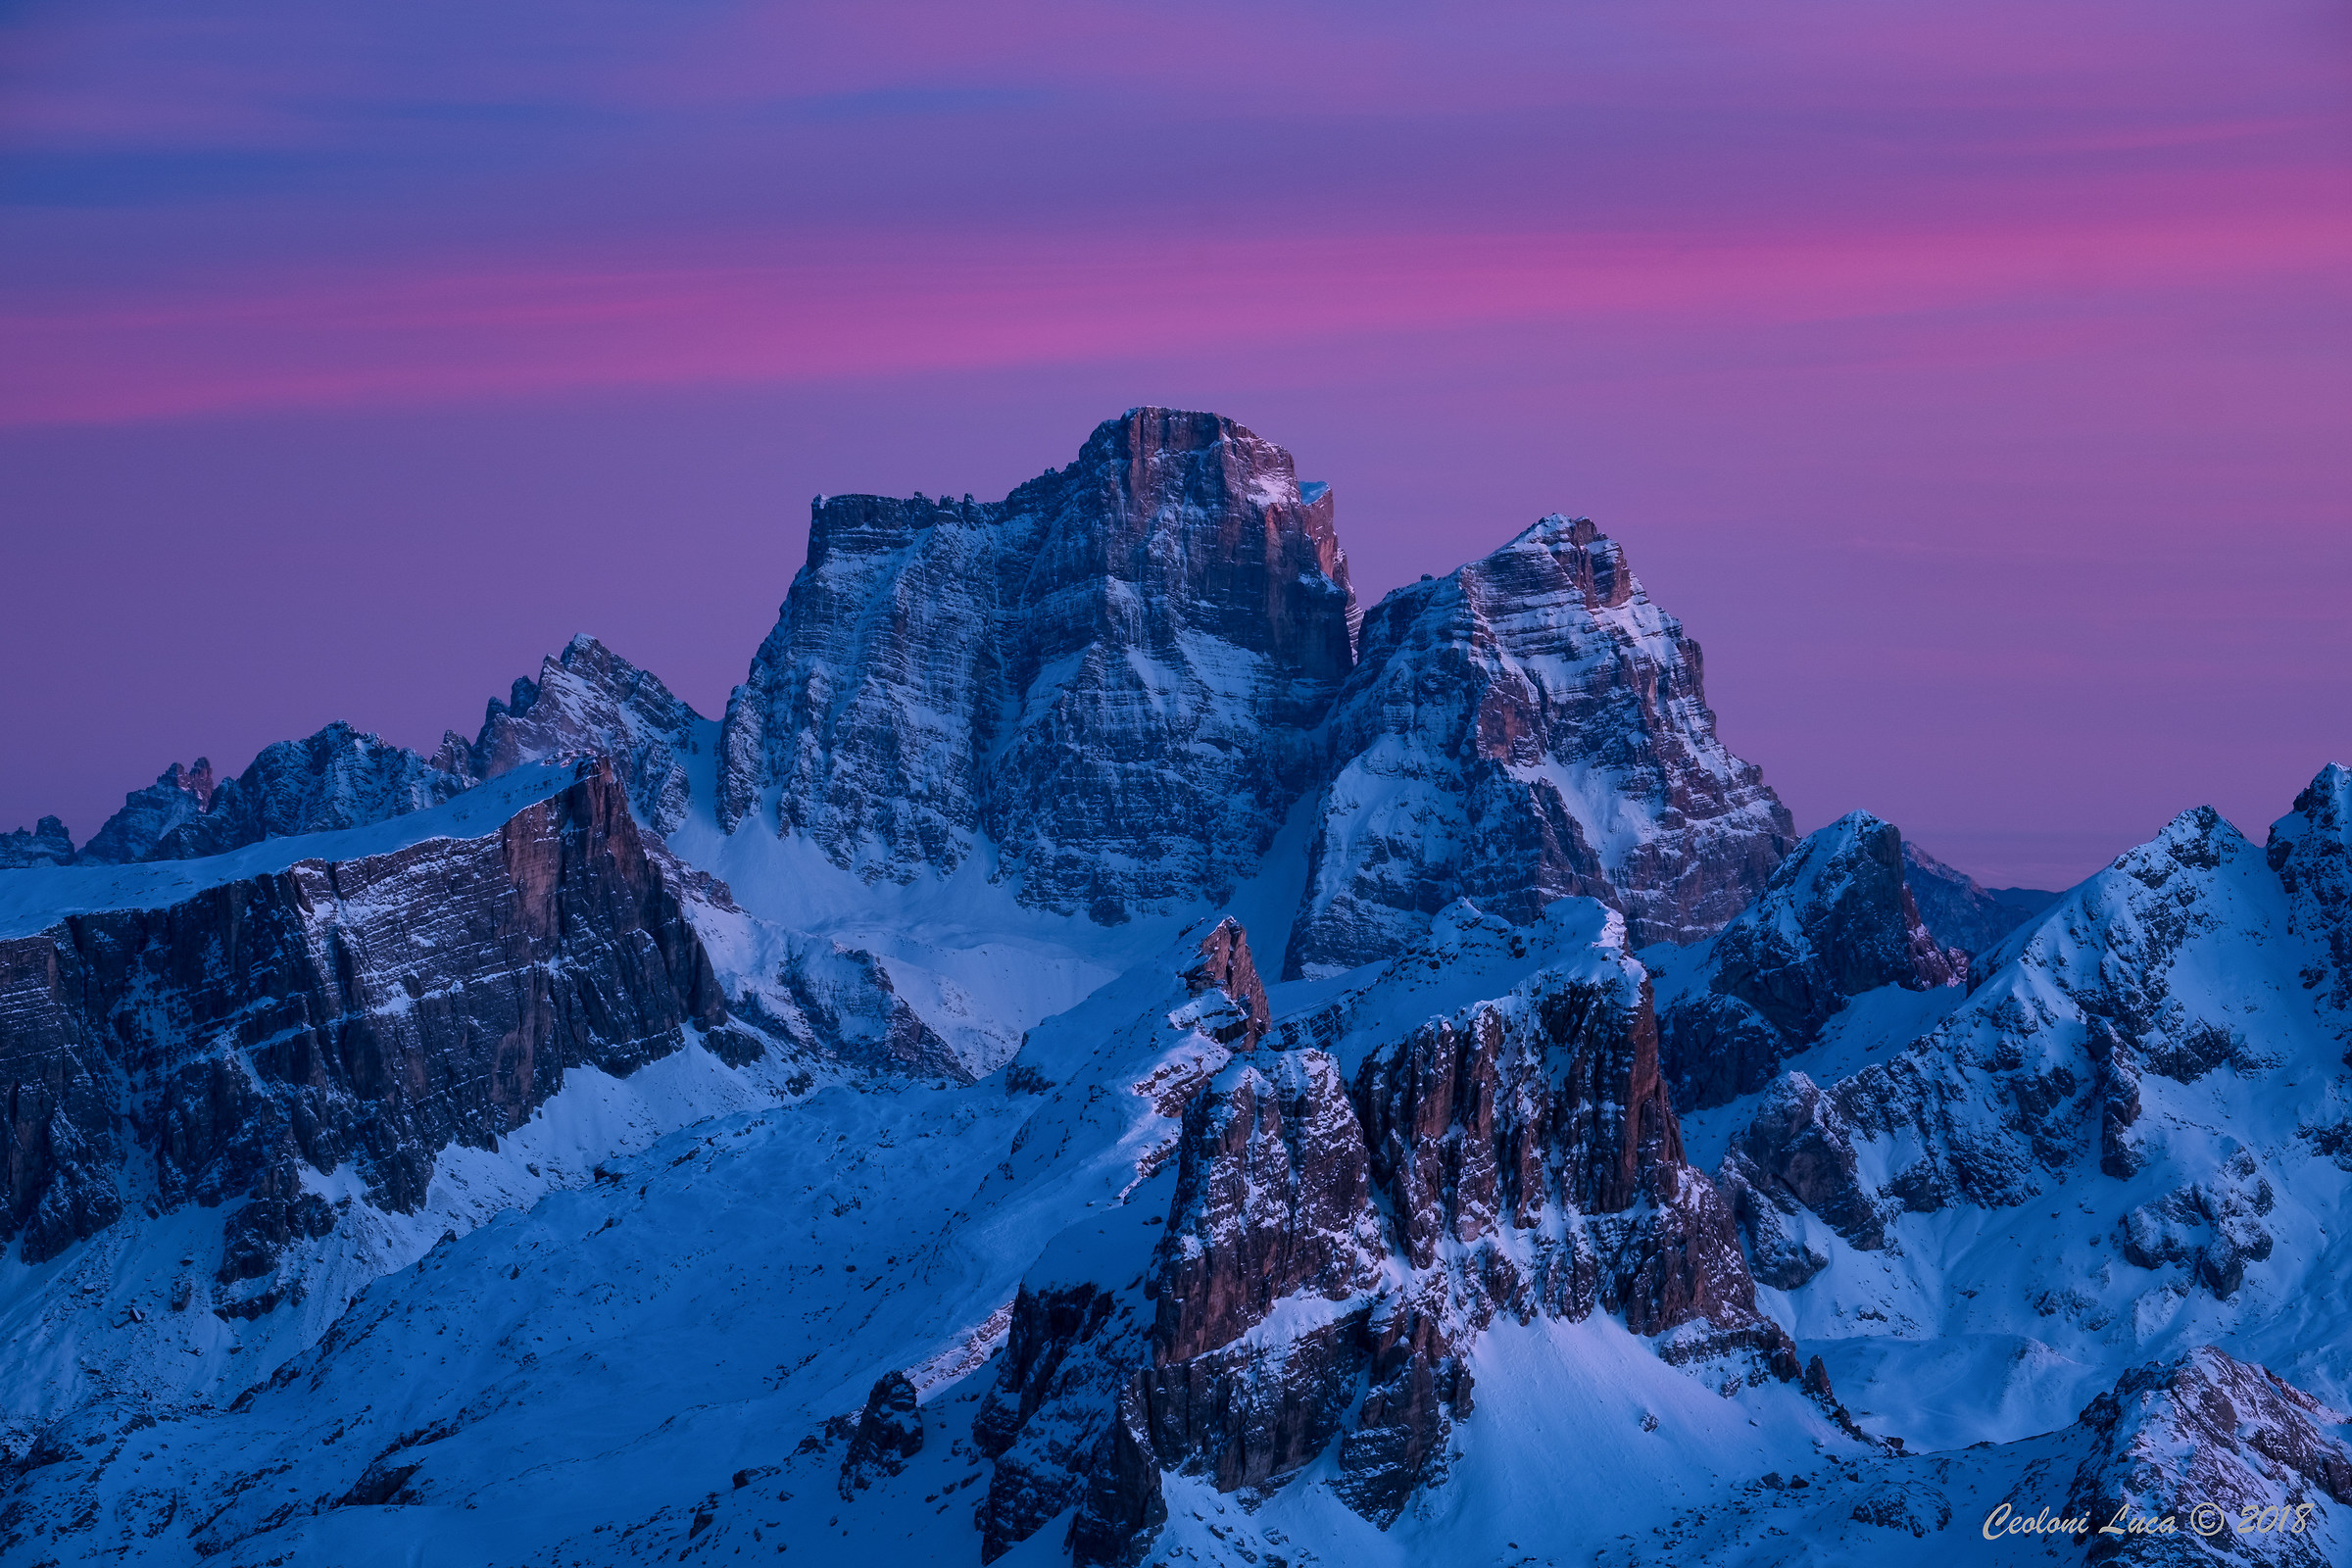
1103	1025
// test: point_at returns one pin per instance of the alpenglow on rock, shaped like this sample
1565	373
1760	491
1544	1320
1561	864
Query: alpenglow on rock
1122	677
1527	728
589	702
1112	675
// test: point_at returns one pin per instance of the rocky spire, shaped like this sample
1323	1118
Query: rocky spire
590	702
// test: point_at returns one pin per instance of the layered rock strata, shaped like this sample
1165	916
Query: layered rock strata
1526	728
372	1010
1519	1156
1110	675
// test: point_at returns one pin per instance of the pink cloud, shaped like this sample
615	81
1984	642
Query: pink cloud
434	327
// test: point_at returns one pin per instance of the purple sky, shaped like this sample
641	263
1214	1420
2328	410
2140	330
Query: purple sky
1974	380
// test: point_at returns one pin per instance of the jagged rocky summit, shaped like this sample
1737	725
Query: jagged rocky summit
1530	727
1121	679
1384	1189
1837	920
1111	678
1961	912
887	1067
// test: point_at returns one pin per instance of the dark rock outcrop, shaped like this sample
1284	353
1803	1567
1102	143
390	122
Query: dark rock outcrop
47	842
1225	966
1959	911
374	1010
1064	1382
1272	1201
890	1432
2310	849
1798	1148
1836	919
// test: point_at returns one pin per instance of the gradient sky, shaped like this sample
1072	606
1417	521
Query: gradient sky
1974	380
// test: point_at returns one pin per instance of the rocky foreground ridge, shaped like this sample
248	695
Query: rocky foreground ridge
1106	1053
1385	1194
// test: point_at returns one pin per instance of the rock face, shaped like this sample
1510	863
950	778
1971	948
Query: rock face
590	702
1958	910
1517	1154
370	1011
1527	728
1798	1153
1110	676
2208	1429
1122	676
337	778
2310	849
45	843
1837	920
890	1432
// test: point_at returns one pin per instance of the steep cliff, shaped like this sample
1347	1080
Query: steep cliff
1959	910
590	702
367	1011
1109	677
1526	728
1836	921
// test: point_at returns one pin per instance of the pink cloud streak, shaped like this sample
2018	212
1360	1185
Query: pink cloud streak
395	336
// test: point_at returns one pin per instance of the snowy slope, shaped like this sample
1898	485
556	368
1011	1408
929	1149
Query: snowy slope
2125	1145
861	1128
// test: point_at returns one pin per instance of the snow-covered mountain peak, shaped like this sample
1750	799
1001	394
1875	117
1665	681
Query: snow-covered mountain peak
1108	681
45	843
1526	728
1961	912
590	702
1577	547
2310	849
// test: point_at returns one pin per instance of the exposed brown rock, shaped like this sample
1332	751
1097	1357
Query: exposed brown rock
1225	966
383	1009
